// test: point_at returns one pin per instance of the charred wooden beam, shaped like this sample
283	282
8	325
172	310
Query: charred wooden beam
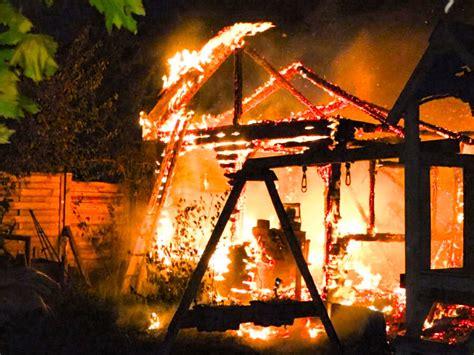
238	79
375	151
370	109
441	131
379	113
273	313
267	130
415	262
371	226
377	237
468	232
332	215
282	81
372	151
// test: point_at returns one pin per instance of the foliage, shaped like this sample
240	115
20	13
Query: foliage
86	124
100	236
8	186
35	55
21	53
119	13
171	265
29	55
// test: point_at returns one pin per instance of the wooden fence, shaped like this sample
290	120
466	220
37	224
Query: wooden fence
93	210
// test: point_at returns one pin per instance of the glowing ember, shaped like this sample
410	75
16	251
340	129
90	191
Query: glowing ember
314	330
449	323
154	322
249	330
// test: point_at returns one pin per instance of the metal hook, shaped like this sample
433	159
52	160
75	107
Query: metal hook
348	180
304	180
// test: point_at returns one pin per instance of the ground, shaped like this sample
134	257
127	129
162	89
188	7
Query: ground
80	322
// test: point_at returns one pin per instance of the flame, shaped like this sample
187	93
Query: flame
369	281
255	332
220	262
155	323
351	225
314	330
188	70
185	61
164	234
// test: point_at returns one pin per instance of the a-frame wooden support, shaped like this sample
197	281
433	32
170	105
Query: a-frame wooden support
239	180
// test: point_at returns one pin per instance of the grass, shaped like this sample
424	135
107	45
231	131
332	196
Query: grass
81	322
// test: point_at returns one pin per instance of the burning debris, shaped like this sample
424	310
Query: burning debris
253	277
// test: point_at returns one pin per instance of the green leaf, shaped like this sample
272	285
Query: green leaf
49	3
9	107
11	37
12	104
6	55
35	55
119	13
11	17
5	134
28	105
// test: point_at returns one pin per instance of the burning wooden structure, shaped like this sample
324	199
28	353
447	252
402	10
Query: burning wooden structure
316	137
444	70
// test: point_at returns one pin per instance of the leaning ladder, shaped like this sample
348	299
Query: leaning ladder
133	275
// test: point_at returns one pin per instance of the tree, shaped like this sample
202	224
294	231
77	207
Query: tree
86	125
24	54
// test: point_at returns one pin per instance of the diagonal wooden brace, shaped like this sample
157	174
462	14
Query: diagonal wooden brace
195	281
301	263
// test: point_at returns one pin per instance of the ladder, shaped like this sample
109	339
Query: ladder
133	275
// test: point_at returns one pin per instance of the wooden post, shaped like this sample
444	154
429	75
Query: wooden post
332	202
468	237
194	282
301	263
68	233
371	226
238	81
65	207
416	212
